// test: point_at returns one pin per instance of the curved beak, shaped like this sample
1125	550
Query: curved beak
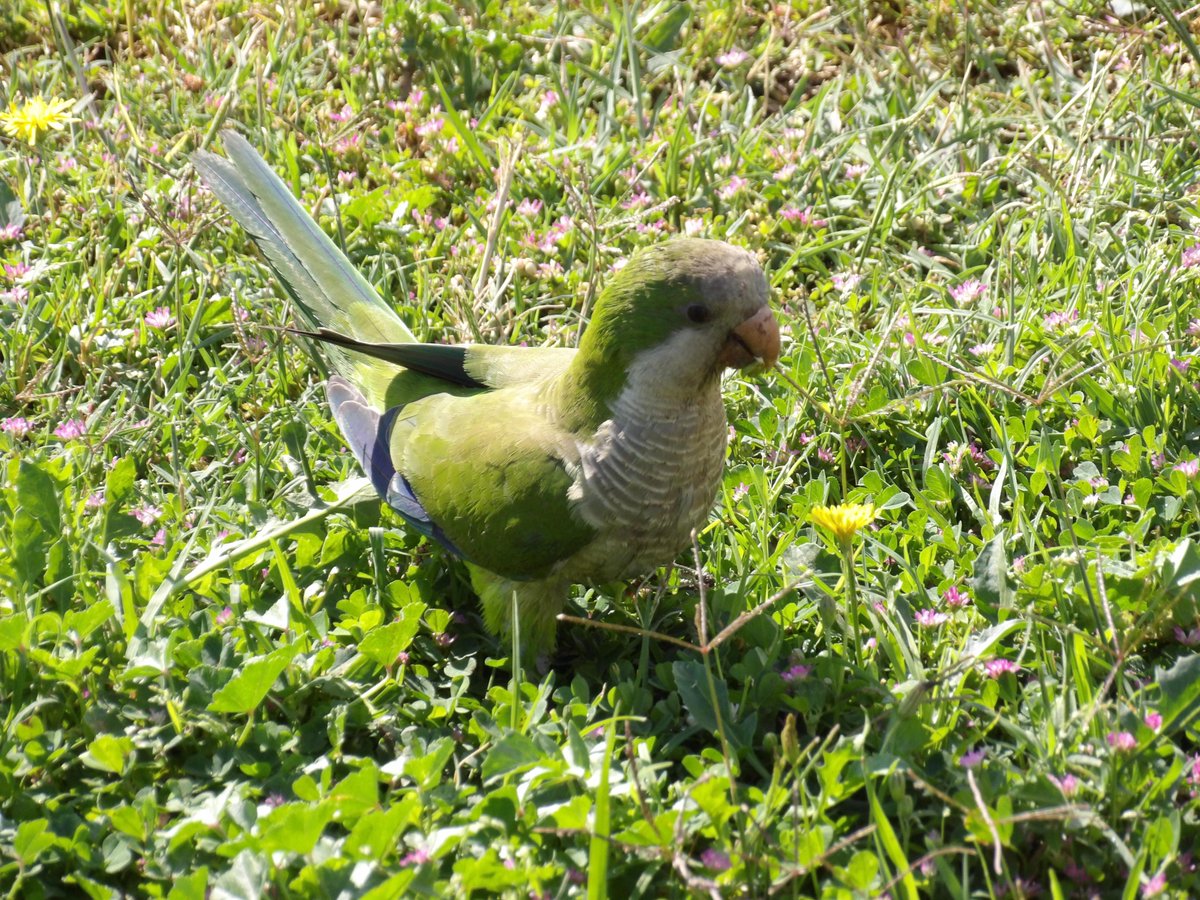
755	339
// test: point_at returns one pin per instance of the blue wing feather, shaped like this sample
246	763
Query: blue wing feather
367	433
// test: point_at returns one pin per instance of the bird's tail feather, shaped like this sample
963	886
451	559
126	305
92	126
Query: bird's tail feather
328	291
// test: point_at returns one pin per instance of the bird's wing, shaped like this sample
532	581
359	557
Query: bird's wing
495	476
484	475
495	479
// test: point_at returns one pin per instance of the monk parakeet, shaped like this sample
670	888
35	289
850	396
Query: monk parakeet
540	468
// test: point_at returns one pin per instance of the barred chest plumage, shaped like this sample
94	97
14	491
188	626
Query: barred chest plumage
647	478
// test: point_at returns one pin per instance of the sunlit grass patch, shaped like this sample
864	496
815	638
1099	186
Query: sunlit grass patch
226	669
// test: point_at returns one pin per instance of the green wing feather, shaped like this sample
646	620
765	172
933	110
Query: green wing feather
495	477
474	365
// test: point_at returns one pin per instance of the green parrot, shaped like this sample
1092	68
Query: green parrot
539	468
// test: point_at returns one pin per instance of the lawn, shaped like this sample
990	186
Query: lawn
226	671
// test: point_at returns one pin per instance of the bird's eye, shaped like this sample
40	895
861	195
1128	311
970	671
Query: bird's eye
698	313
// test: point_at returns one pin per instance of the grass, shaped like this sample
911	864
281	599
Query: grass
227	672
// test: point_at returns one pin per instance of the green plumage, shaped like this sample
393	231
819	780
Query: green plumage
539	467
493	473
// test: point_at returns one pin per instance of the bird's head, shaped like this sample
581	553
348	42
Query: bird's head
681	312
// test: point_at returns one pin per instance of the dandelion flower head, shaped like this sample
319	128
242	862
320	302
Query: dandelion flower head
29	120
844	519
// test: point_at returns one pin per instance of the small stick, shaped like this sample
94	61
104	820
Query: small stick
702	611
997	865
628	629
734	626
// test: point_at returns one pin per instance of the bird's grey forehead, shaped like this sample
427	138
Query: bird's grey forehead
730	273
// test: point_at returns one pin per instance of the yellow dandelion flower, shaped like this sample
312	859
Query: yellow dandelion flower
844	519
29	120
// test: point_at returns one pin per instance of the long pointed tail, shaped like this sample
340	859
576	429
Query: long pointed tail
327	290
